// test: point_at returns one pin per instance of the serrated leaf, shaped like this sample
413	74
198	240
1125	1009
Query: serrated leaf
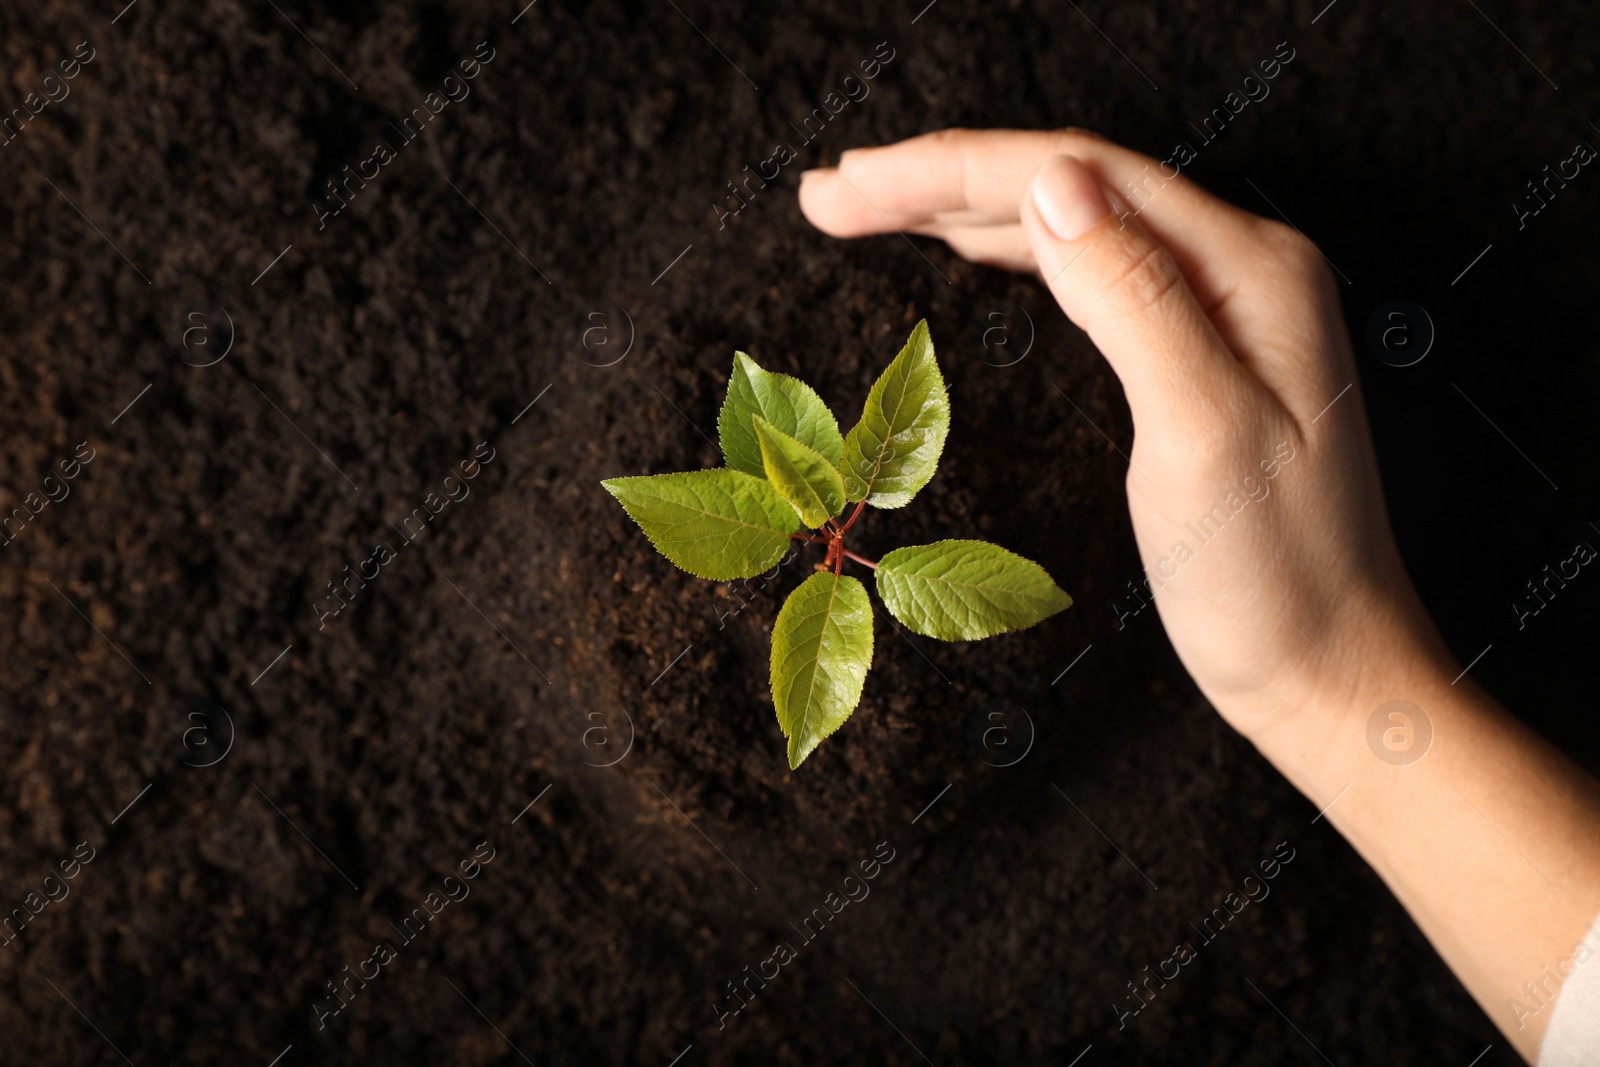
801	475
821	649
893	451
718	524
966	590
788	403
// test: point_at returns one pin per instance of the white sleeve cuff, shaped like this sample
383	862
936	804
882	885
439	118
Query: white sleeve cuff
1573	1038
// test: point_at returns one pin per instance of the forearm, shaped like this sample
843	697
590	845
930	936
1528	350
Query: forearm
1491	839
1226	333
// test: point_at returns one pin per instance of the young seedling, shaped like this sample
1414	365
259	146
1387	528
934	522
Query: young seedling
788	468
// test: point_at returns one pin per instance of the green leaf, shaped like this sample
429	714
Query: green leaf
966	590
821	649
801	474
893	451
788	403
717	524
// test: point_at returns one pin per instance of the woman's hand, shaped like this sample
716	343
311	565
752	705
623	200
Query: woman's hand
1260	518
1254	492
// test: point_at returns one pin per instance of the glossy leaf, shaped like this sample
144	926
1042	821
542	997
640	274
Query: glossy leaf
966	590
893	451
821	649
718	524
801	475
788	403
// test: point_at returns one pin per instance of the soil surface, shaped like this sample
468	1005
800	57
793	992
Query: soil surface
544	281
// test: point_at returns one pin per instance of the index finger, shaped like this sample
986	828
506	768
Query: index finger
977	177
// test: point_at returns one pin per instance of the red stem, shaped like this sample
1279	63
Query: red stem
834	539
854	515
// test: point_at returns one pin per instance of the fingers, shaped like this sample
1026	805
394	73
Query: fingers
970	178
978	173
966	187
1005	247
1125	289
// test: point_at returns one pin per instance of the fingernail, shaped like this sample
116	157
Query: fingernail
1068	198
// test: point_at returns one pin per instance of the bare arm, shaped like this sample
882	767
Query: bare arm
1260	518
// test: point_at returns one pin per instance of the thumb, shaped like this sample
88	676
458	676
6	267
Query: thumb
1125	290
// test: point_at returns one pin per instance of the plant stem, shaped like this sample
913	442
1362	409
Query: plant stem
834	547
854	515
834	539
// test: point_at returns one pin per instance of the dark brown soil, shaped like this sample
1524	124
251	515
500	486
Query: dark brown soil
485	664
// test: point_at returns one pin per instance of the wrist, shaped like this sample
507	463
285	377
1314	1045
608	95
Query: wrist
1380	665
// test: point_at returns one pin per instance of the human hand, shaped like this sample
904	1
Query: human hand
1253	486
1259	516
